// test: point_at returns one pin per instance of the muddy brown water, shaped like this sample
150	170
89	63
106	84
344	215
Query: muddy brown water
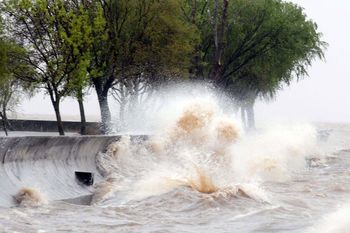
303	203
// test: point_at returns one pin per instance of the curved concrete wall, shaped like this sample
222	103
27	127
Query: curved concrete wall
48	164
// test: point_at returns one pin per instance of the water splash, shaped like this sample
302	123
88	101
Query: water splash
206	150
30	197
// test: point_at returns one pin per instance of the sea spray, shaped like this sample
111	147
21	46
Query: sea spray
336	222
204	149
30	197
275	153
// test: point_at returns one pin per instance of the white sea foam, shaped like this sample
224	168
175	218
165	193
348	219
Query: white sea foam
336	222
203	147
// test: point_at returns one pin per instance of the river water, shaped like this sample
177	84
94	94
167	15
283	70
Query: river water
203	173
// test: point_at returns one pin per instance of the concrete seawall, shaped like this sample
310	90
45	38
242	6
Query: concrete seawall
48	164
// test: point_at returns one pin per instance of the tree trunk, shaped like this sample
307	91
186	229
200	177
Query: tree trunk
219	35
56	106
6	120
102	89
55	100
4	123
196	68
82	115
251	116
105	112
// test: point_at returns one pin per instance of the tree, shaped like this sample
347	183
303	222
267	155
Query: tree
57	36
256	48
219	24
283	57
79	38
11	89
138	41
8	99
211	19
6	91
3	80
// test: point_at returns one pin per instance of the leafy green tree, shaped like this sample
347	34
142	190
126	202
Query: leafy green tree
57	35
79	38
283	57
211	19
6	89
11	89
255	47
138	41
8	99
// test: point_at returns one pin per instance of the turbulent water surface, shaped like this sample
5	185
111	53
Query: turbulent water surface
200	172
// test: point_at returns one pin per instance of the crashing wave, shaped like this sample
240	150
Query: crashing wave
205	150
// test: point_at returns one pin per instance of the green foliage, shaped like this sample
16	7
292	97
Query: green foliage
255	47
267	43
138	44
11	89
142	36
57	36
275	43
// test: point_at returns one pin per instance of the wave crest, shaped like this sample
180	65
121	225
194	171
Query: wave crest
207	151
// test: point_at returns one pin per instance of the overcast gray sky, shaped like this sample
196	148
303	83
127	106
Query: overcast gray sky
324	96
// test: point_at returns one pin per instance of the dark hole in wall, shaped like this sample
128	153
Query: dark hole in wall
86	178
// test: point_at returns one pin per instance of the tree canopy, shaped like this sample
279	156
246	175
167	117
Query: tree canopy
248	48
263	45
57	37
138	41
11	88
